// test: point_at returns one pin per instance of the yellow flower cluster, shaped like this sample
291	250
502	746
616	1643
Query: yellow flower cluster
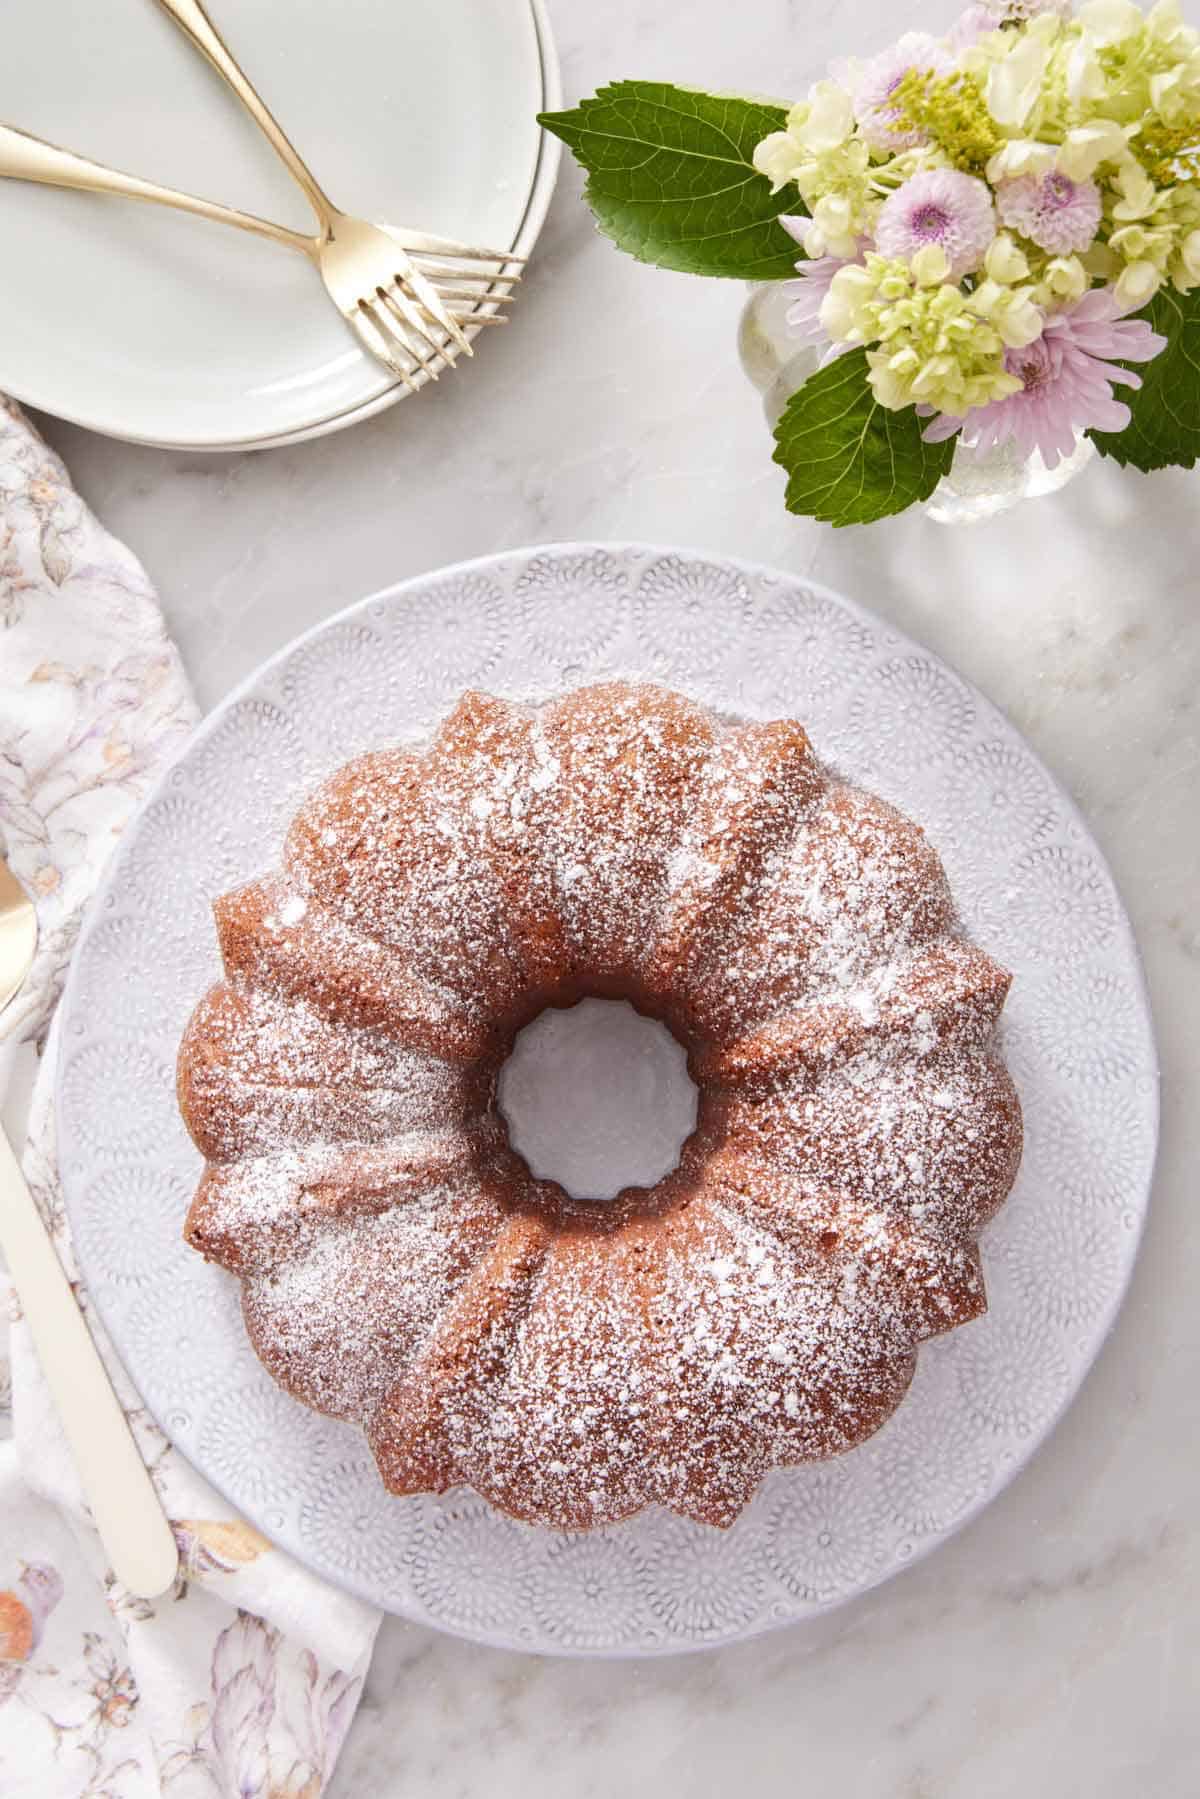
951	112
937	344
1169	153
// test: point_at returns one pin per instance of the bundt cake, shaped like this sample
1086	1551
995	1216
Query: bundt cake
574	1360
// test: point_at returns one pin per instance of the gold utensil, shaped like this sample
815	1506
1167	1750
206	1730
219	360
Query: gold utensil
27	158
126	1509
391	303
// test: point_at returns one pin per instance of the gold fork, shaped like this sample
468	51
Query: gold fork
392	304
127	1512
27	158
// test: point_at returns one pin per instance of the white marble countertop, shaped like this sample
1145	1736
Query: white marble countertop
1052	1648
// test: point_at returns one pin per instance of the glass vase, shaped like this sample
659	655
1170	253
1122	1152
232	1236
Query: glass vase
979	484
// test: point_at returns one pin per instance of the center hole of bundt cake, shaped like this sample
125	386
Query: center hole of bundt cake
598	1098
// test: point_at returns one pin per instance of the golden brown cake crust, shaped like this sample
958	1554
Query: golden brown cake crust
574	1361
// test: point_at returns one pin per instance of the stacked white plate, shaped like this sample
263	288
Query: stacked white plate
155	326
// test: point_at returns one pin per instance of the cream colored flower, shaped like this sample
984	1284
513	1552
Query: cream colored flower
1151	226
930	265
843	310
835	227
940	381
1123	66
1138	193
1136	243
829	119
1110	21
1165	22
1189	255
927	340
838	189
1063	279
1087	146
1015	84
1006	261
1011	310
1138	282
778	157
1086	80
822	123
1021	156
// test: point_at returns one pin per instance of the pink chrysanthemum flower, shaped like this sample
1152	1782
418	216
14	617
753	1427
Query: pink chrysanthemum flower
939	206
1068	374
806	295
879	81
1052	211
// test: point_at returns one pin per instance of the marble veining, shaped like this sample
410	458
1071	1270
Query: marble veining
1050	1648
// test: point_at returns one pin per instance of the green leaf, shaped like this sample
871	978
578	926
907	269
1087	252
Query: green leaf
671	178
1164	431
849	460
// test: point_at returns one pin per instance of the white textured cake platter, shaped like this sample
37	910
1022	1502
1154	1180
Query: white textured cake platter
1032	887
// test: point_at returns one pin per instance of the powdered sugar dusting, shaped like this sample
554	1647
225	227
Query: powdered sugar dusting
763	1304
339	1323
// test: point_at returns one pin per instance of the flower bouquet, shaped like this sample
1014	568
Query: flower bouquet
994	227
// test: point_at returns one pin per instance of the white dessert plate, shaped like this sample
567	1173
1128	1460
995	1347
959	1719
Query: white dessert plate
1032	887
151	325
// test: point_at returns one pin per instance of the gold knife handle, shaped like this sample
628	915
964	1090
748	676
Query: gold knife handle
27	158
194	22
116	1483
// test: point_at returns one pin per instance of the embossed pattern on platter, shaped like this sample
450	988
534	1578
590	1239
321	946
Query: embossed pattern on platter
1032	888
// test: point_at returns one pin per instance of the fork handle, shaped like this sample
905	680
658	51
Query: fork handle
194	22
127	1511
27	158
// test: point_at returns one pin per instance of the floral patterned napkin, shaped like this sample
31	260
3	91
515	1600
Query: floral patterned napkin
243	1680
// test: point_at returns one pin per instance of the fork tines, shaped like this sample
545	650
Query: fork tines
417	346
469	287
